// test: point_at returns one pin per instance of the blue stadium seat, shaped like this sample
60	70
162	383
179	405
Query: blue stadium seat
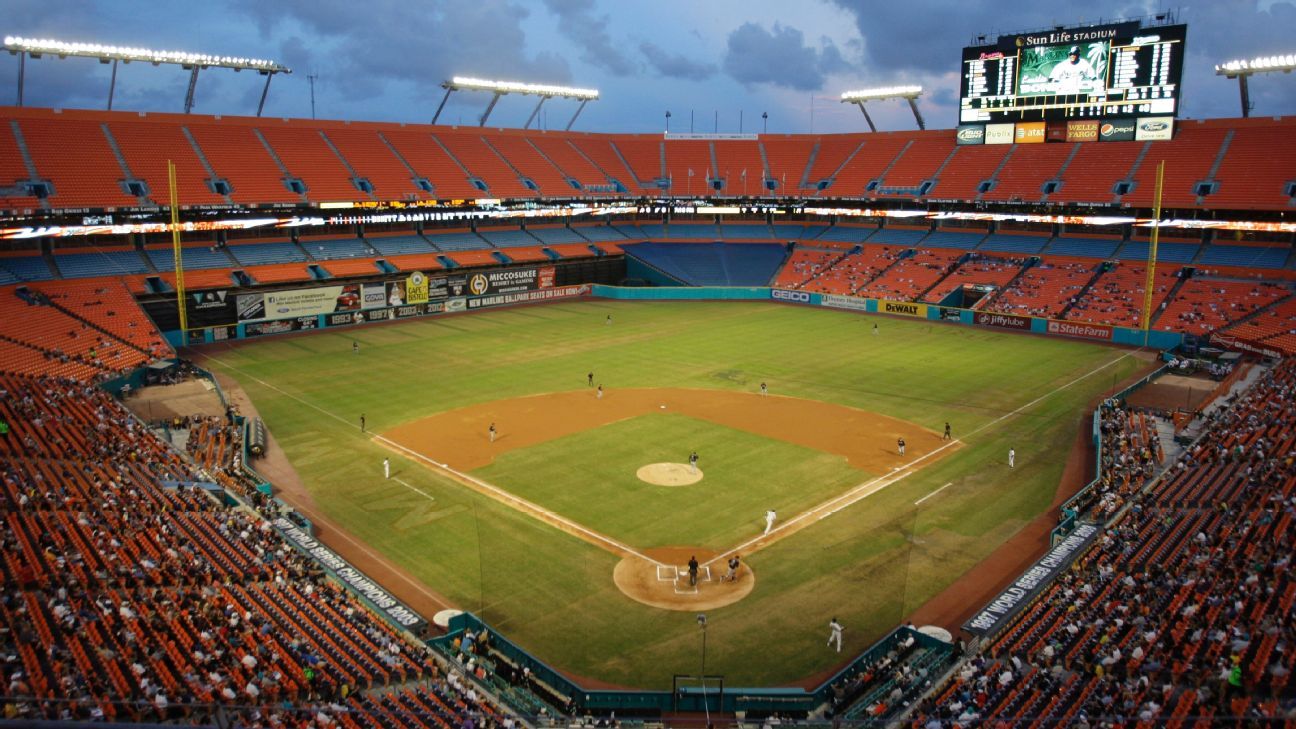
694	230
260	254
1251	256
27	268
1087	247
554	236
712	264
397	245
898	237
509	238
600	233
1015	243
195	258
457	241
88	265
951	239
847	234
331	250
1137	250
746	231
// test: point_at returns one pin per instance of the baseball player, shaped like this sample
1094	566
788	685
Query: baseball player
732	574
362	423
491	432
693	459
608	320
355	347
835	635
947	435
875	330
1012	457
770	516
900	445
764	389
599	393
590	379
386	468
693	570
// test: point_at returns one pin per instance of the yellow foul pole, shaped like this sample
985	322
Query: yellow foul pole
176	247
1152	254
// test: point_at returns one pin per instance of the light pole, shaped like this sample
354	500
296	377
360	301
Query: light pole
706	704
668	121
765	121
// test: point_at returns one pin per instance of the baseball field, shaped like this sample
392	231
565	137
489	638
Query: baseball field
569	530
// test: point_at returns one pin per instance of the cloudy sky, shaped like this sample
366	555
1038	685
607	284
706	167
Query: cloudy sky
710	60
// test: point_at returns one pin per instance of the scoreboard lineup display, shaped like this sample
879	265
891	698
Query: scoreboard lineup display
1118	70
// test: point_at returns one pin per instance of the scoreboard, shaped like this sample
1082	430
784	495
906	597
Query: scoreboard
1090	72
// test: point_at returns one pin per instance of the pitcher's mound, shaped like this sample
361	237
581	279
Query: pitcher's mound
665	584
669	474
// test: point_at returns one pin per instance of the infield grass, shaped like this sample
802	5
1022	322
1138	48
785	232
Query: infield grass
869	565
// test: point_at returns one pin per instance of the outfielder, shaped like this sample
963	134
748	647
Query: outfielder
835	635
770	516
491	432
1012	457
386	468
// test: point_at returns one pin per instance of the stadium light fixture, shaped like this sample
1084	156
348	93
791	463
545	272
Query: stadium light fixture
1241	69
908	93
501	88
193	62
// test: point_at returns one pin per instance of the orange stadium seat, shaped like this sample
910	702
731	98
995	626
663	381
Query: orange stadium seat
373	160
306	155
431	161
476	155
602	152
74	155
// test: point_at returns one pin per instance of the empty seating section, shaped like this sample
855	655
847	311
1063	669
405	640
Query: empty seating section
599	232
468	258
868	164
277	273
351	267
523	156
846	234
746	231
603	153
571	163
833	153
147	146
1045	289
1167	252
1023	176
26	268
1117	296
430	161
911	276
12	169
521	254
853	271
100	263
1257	168
977	269
507	237
689	167
971	165
712	264
954	238
795	231
1188	157
237	156
256	254
1203	305
555	234
787	158
455	240
396	245
1014	243
628	230
306	156
63	338
1095	170
417	262
917	163
1249	256
74	155
109	305
200	279
1089	247
328	249
703	231
194	256
898	236
373	160
738	162
484	163
573	250
803	265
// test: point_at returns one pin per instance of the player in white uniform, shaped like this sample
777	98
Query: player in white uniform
770	516
835	634
386	468
1012	457
1073	75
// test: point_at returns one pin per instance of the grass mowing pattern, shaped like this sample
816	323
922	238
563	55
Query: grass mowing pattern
869	565
590	477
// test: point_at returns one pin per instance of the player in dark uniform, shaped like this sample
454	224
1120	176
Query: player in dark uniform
900	444
693	570
362	423
947	435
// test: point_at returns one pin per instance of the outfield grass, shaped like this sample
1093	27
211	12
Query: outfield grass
869	565
590	477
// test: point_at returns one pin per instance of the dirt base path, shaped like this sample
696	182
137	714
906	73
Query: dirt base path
666	585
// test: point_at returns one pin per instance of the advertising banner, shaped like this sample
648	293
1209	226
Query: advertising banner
353	578
800	297
416	288
523	297
970	134
299	302
903	308
345	318
844	302
1080	329
1084	130
1002	321
1116	130
505	281
1055	131
280	326
999	133
1032	582
1154	129
1029	133
373	296
949	314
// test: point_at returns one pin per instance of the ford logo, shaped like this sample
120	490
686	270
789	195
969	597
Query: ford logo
1153	126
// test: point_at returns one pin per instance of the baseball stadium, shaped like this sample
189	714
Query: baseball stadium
363	423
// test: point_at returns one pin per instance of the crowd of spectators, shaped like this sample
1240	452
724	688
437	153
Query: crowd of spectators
1045	289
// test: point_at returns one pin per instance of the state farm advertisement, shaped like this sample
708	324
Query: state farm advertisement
1080	329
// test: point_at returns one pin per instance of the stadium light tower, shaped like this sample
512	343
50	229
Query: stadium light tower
192	62
500	88
908	93
1241	69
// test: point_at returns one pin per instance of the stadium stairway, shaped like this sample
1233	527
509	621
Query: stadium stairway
1080	295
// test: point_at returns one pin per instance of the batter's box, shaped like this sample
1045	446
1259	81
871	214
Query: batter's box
667	573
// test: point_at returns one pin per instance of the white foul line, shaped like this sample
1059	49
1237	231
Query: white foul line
499	493
937	491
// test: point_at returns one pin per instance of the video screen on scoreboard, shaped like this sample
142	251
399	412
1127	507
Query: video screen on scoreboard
1091	72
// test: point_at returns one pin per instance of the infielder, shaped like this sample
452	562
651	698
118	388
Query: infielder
386	468
491	432
900	445
362	423
764	389
598	394
835	635
590	378
693	459
1012	457
947	435
770	516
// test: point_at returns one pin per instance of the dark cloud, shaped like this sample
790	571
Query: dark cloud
675	65
589	32
780	57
